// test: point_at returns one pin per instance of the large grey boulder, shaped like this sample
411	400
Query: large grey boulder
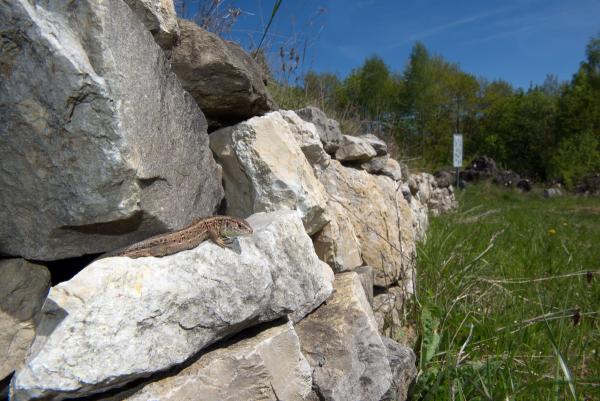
268	366
227	83
160	18
354	149
264	170
23	288
341	344
99	144
121	319
327	128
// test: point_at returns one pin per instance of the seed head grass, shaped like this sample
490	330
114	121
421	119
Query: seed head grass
509	299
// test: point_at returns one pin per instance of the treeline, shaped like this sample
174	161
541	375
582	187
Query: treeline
549	131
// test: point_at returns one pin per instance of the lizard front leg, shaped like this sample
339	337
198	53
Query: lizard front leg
216	237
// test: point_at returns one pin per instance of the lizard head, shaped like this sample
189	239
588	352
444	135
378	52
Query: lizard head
236	228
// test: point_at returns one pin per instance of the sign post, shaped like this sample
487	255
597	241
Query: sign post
458	156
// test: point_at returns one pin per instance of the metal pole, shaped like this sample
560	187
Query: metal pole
457	177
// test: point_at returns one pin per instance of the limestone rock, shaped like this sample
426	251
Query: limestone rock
381	218
366	277
375	165
23	288
552	192
308	139
264	169
392	169
420	218
385	312
425	188
227	83
354	148
327	128
388	310
402	362
268	366
100	146
337	244
378	144
341	343
172	307
160	18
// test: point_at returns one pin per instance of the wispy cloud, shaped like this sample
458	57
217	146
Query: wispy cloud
528	23
450	25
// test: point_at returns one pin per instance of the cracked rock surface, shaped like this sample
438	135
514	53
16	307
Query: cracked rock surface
99	144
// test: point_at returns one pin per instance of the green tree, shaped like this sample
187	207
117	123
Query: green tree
370	90
578	153
438	100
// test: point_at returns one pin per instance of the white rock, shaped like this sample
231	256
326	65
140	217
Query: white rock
377	143
120	319
268	366
392	169
327	128
337	244
354	148
100	146
381	218
23	288
160	18
341	343
264	169
424	186
308	139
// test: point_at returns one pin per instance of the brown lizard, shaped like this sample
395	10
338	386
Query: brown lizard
220	229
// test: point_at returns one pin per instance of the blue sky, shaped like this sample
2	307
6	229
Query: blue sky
517	40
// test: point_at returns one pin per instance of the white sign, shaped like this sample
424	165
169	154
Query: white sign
458	150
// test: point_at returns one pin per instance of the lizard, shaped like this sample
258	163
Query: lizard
220	229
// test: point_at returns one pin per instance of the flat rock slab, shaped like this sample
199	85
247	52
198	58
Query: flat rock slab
268	366
99	144
341	344
121	319
353	149
23	289
264	169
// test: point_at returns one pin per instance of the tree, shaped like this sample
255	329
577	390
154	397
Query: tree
578	153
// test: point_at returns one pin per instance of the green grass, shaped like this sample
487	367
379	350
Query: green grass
509	299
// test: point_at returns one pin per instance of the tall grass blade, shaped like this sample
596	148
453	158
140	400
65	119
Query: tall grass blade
273	13
563	363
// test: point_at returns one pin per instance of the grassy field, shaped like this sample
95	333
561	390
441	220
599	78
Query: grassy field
509	299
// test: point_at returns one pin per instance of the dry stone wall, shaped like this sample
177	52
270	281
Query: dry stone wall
100	146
